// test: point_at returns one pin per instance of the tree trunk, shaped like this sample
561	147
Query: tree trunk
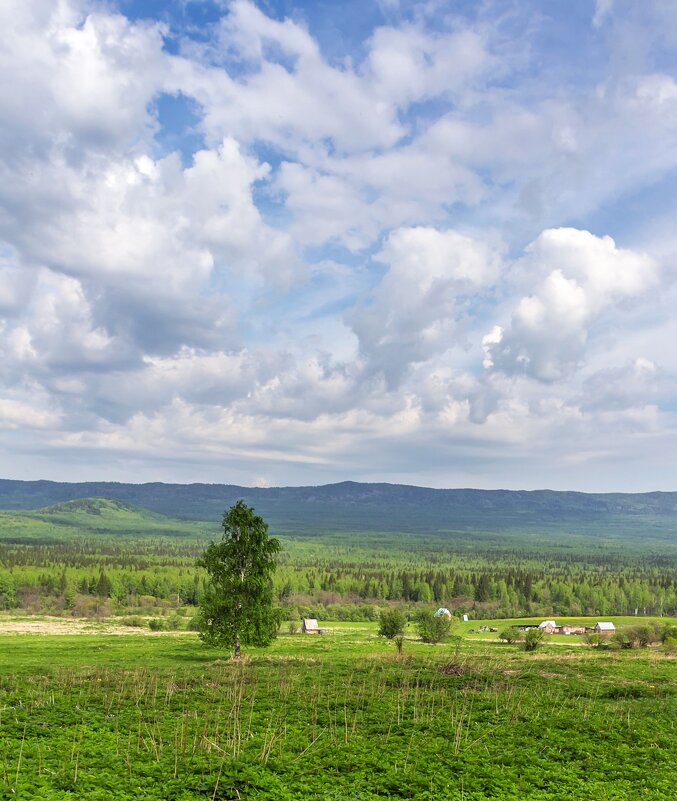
237	646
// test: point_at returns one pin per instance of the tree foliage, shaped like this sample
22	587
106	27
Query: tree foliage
533	639
433	629
237	606
511	634
391	623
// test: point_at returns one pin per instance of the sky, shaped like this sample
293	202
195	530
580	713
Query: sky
291	243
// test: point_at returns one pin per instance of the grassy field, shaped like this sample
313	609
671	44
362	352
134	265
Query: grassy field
339	716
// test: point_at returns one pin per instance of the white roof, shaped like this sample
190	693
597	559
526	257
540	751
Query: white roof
547	623
442	611
310	623
606	626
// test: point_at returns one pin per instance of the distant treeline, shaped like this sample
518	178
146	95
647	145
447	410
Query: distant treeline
82	583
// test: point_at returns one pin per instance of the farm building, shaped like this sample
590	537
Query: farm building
570	630
309	626
548	626
605	628
443	612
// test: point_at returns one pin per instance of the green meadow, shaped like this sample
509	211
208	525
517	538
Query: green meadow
336	716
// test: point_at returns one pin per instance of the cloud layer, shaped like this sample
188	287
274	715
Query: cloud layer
438	249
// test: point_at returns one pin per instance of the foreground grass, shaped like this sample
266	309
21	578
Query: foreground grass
332	717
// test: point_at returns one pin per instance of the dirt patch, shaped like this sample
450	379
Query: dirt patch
453	669
59	625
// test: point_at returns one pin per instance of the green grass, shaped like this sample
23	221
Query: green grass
330	717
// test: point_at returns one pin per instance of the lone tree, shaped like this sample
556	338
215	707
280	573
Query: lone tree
391	623
433	629
237	606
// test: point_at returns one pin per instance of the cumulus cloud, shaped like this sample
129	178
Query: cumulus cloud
417	309
323	270
577	276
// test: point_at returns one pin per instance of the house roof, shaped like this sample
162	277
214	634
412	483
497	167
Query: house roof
442	611
310	623
547	623
606	626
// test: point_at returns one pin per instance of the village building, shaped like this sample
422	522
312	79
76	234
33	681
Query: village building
605	628
570	630
548	626
309	626
443	612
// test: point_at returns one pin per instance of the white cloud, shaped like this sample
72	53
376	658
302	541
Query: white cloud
603	9
416	310
308	282
576	277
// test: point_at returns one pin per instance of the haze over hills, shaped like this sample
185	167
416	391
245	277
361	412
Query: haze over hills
353	506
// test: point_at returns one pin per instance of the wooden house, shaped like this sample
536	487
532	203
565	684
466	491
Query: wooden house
309	626
605	628
570	630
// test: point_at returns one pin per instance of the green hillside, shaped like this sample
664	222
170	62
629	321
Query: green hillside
88	518
354	507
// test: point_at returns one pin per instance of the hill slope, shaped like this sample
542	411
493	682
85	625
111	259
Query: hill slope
92	517
350	506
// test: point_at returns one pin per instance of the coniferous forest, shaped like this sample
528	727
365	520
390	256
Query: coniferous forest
96	557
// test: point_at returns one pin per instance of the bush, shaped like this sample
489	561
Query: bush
595	640
511	634
433	629
156	624
669	633
174	623
136	621
533	639
293	628
643	634
391	623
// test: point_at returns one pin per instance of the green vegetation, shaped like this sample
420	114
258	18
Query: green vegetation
97	557
344	715
432	628
340	716
236	607
391	623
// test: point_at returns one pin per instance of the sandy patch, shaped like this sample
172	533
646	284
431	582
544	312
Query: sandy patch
60	625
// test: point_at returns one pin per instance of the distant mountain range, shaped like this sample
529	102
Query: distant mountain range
352	506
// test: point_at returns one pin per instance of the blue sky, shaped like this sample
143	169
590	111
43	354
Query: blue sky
294	243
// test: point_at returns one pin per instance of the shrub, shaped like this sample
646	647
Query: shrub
642	635
533	639
174	623
669	633
433	629
293	628
156	624
391	623
511	634
136	621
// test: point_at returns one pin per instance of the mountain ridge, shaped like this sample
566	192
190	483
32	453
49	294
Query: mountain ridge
351	505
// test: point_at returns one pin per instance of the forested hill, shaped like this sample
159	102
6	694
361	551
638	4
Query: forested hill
354	506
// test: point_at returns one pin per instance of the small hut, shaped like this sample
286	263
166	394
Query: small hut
443	612
548	626
605	628
309	626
